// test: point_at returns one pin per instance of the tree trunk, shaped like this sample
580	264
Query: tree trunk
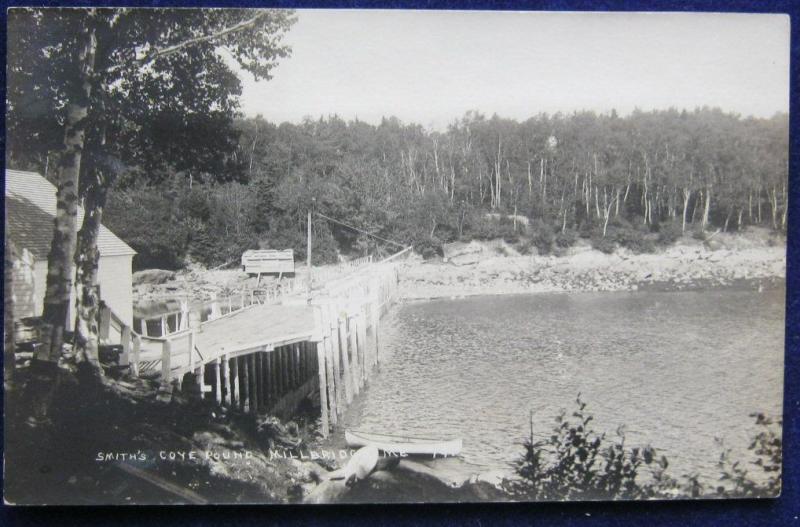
706	207
87	256
8	313
686	195
59	263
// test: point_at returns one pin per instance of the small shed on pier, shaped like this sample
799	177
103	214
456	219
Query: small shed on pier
30	210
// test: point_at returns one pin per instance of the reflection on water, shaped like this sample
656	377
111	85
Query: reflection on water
677	369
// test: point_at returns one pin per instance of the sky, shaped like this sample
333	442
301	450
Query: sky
431	67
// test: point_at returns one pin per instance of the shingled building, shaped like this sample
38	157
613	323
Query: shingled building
30	209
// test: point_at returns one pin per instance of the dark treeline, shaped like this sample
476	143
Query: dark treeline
615	180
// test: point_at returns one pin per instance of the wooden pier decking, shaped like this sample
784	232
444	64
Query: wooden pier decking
269	357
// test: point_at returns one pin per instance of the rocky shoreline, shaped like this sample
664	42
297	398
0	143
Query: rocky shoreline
685	266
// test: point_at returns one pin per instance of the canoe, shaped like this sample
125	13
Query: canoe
393	444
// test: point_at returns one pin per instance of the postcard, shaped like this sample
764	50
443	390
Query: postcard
367	256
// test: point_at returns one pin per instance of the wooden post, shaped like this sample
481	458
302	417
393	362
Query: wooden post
191	349
356	358
337	371
323	389
135	348
163	326
200	375
253	384
125	340
341	335
226	375
271	377
308	251
298	357
105	324
375	311
246	406
362	341
332	401
236	395
166	366
218	381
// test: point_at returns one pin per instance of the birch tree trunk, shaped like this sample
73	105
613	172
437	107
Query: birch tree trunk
686	195
706	207
87	257
8	313
59	263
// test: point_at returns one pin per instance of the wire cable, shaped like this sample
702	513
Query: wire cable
359	230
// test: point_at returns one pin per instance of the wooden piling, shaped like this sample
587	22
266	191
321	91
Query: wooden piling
281	358
264	380
341	335
135	349
362	342
226	374
355	357
166	366
125	341
236	394
323	389
218	381
254	384
105	324
337	371
271	379
246	406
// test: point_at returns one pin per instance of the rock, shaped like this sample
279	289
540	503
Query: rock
459	253
153	276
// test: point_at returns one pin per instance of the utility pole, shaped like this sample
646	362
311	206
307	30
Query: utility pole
308	250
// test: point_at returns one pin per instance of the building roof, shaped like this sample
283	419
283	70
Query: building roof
31	208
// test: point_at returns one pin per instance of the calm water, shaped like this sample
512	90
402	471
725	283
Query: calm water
676	369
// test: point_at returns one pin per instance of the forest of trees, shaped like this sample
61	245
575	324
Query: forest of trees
614	180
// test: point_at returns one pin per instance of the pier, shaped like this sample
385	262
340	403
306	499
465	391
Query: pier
267	353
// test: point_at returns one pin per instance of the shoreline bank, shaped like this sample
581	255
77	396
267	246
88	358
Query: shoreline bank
677	268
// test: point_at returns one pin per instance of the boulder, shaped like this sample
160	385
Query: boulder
153	276
460	253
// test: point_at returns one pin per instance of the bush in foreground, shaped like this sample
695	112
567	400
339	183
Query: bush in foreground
578	463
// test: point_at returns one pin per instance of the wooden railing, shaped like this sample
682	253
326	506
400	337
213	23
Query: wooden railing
174	321
130	340
321	276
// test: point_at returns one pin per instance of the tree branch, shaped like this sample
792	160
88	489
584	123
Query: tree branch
169	50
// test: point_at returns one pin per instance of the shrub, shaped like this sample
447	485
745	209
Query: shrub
669	232
576	462
767	450
566	239
632	238
491	229
525	246
603	244
428	247
699	234
542	237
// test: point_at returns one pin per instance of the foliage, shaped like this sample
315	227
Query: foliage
631	238
669	232
396	180
604	244
577	463
542	237
767	450
566	238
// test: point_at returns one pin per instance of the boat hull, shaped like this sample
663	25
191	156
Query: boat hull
403	446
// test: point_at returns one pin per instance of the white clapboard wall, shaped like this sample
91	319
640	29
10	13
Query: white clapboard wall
268	261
